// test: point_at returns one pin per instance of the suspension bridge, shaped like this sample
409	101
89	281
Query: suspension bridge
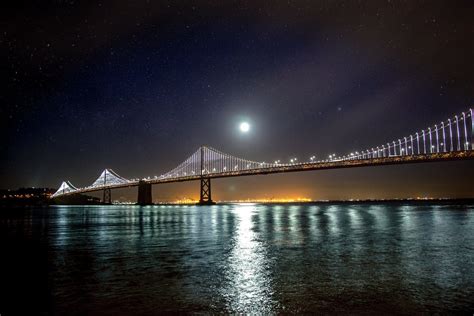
449	140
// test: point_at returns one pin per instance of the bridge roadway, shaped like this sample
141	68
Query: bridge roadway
305	166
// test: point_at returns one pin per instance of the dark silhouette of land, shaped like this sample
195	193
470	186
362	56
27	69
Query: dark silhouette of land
42	196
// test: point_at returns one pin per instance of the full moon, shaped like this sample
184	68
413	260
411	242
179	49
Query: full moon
244	127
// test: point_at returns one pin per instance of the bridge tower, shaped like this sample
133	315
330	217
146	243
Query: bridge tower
144	193
205	197
107	198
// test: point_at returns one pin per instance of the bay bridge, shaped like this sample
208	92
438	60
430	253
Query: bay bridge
452	139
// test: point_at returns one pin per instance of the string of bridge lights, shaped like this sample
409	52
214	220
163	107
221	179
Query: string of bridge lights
428	141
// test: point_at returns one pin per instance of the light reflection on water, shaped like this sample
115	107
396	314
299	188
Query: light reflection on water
247	258
248	280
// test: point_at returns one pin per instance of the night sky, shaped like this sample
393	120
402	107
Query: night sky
138	86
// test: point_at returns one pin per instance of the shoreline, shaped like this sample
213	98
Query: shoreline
460	201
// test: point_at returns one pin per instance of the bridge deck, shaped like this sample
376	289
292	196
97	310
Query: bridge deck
335	164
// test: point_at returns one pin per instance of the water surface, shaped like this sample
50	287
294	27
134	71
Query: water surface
237	258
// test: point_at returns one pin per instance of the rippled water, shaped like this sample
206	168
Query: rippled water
237	258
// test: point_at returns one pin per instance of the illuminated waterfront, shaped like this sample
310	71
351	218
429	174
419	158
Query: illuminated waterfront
239	258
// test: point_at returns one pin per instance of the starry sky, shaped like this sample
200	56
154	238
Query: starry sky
138	86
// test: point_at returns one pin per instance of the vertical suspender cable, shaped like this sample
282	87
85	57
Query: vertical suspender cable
444	136
431	142
466	142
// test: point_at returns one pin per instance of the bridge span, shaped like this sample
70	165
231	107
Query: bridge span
450	140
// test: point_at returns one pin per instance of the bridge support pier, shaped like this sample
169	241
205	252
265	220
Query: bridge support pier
144	193
107	198
205	196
